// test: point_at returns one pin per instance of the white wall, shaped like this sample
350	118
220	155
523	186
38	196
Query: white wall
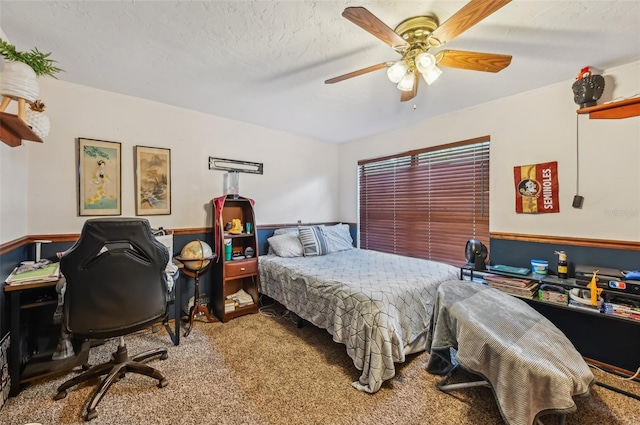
313	181
13	192
299	182
13	186
528	128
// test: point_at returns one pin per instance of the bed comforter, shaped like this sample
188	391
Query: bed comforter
379	305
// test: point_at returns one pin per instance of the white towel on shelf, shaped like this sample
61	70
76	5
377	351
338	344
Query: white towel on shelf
172	269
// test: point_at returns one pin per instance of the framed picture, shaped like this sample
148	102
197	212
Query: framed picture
153	180
99	177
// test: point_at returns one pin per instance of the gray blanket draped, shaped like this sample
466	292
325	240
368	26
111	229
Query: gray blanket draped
532	367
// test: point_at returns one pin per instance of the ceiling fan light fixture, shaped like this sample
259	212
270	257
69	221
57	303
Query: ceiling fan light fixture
415	36
425	62
397	71
431	75
406	84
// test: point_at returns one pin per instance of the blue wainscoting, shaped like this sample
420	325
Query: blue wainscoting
519	254
10	259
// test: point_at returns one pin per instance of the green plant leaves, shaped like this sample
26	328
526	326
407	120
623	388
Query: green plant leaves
37	60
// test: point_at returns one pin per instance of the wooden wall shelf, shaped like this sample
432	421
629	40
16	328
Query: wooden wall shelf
13	130
615	110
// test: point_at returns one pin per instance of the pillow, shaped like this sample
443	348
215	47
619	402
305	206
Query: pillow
338	237
313	241
286	245
284	230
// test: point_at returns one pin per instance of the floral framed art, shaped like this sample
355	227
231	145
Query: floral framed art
99	177
153	180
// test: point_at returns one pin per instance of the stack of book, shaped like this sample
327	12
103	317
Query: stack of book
523	288
553	294
34	273
239	299
626	310
229	305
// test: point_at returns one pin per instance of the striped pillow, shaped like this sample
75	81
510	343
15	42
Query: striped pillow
313	241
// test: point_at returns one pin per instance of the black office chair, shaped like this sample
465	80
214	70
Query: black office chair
116	285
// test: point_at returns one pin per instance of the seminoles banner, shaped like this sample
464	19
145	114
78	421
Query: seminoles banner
537	188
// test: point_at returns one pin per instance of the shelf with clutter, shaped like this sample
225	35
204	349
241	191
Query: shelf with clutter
604	295
626	108
588	88
236	269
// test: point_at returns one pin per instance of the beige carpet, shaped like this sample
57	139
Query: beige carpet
263	370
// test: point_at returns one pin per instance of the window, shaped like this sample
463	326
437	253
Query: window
426	203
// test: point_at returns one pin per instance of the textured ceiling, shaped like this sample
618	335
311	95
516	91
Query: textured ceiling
265	62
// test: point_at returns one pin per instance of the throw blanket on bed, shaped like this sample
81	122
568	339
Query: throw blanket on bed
379	305
531	365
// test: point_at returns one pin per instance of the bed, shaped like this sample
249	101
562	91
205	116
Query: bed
378	305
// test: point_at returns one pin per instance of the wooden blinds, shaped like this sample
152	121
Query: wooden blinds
426	203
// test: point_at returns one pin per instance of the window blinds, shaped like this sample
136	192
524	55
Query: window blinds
426	203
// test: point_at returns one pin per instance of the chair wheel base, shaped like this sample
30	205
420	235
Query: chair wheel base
164	356
60	395
91	414
163	383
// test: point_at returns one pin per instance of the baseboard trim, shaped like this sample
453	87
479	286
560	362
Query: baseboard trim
565	240
14	244
72	237
610	368
562	240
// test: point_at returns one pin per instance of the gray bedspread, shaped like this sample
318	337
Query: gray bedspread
532	367
379	305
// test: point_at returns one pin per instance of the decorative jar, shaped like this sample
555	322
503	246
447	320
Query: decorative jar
19	81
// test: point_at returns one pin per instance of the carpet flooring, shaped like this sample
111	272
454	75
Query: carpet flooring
264	370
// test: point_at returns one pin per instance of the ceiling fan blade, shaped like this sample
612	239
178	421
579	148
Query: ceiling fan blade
358	72
476	61
472	13
408	95
370	23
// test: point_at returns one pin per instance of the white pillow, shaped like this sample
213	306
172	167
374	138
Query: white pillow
338	237
286	245
283	230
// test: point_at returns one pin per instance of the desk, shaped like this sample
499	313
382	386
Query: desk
29	296
24	298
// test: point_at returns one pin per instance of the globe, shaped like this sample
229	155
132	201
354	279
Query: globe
196	255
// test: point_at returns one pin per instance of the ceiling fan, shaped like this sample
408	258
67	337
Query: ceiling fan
414	37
